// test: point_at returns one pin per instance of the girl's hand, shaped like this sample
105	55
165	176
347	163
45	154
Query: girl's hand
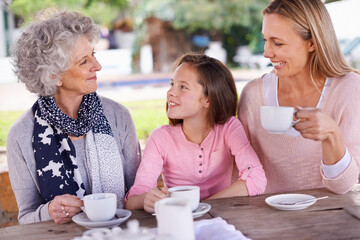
315	124
63	207
153	196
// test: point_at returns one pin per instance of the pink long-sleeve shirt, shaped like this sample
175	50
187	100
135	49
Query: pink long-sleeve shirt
208	165
294	163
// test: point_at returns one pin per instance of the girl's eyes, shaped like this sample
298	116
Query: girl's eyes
181	86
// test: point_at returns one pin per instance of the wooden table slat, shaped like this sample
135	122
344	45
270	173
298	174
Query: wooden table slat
337	217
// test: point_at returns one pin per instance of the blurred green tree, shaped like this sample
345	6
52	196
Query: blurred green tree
235	22
102	11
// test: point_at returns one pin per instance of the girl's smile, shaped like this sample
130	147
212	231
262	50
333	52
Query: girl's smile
172	104
185	98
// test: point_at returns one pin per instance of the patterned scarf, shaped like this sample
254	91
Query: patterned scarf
55	154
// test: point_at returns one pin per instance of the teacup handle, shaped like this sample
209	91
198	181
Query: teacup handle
83	209
295	122
156	207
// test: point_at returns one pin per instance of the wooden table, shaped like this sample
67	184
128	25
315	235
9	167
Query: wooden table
337	217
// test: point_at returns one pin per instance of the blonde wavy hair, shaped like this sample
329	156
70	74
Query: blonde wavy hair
311	20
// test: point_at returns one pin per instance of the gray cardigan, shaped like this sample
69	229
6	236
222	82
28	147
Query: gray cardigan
21	161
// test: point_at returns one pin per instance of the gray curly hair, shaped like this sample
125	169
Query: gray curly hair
43	51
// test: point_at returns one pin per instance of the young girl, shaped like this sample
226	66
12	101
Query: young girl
201	142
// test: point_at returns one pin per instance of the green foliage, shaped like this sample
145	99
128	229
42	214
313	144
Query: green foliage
147	116
235	38
202	14
6	120
215	16
237	21
102	11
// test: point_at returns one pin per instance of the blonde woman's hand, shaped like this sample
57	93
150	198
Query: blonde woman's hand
63	207
315	124
153	196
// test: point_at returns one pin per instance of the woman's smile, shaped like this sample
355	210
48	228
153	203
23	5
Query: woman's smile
92	78
278	65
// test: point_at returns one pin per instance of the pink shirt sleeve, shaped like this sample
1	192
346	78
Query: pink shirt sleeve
345	97
169	143
150	167
247	162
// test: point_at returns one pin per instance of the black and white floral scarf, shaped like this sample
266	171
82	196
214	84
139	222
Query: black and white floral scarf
55	154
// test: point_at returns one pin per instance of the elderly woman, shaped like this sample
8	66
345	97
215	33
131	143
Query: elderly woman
310	74
71	142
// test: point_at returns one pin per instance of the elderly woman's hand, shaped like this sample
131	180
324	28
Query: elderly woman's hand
315	124
153	196
63	207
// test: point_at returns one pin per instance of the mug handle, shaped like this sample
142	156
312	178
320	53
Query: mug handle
83	209
156	207
295	122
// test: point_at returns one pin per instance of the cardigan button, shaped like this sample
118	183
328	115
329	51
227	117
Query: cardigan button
200	171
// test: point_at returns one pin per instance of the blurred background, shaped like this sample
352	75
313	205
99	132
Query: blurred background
140	39
145	36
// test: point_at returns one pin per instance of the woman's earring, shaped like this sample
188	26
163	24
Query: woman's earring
59	83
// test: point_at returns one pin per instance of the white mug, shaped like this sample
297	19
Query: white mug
100	207
276	119
192	193
174	219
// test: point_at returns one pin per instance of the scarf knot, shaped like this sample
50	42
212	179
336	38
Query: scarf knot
55	154
90	116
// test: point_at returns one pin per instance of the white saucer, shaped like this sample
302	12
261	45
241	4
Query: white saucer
201	210
120	216
280	201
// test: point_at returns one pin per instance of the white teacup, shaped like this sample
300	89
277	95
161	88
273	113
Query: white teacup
275	119
192	193
100	207
174	219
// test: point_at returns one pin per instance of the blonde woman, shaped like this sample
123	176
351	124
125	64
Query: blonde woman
311	75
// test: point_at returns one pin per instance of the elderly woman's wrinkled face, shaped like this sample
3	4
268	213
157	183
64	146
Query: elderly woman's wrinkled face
80	78
285	48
